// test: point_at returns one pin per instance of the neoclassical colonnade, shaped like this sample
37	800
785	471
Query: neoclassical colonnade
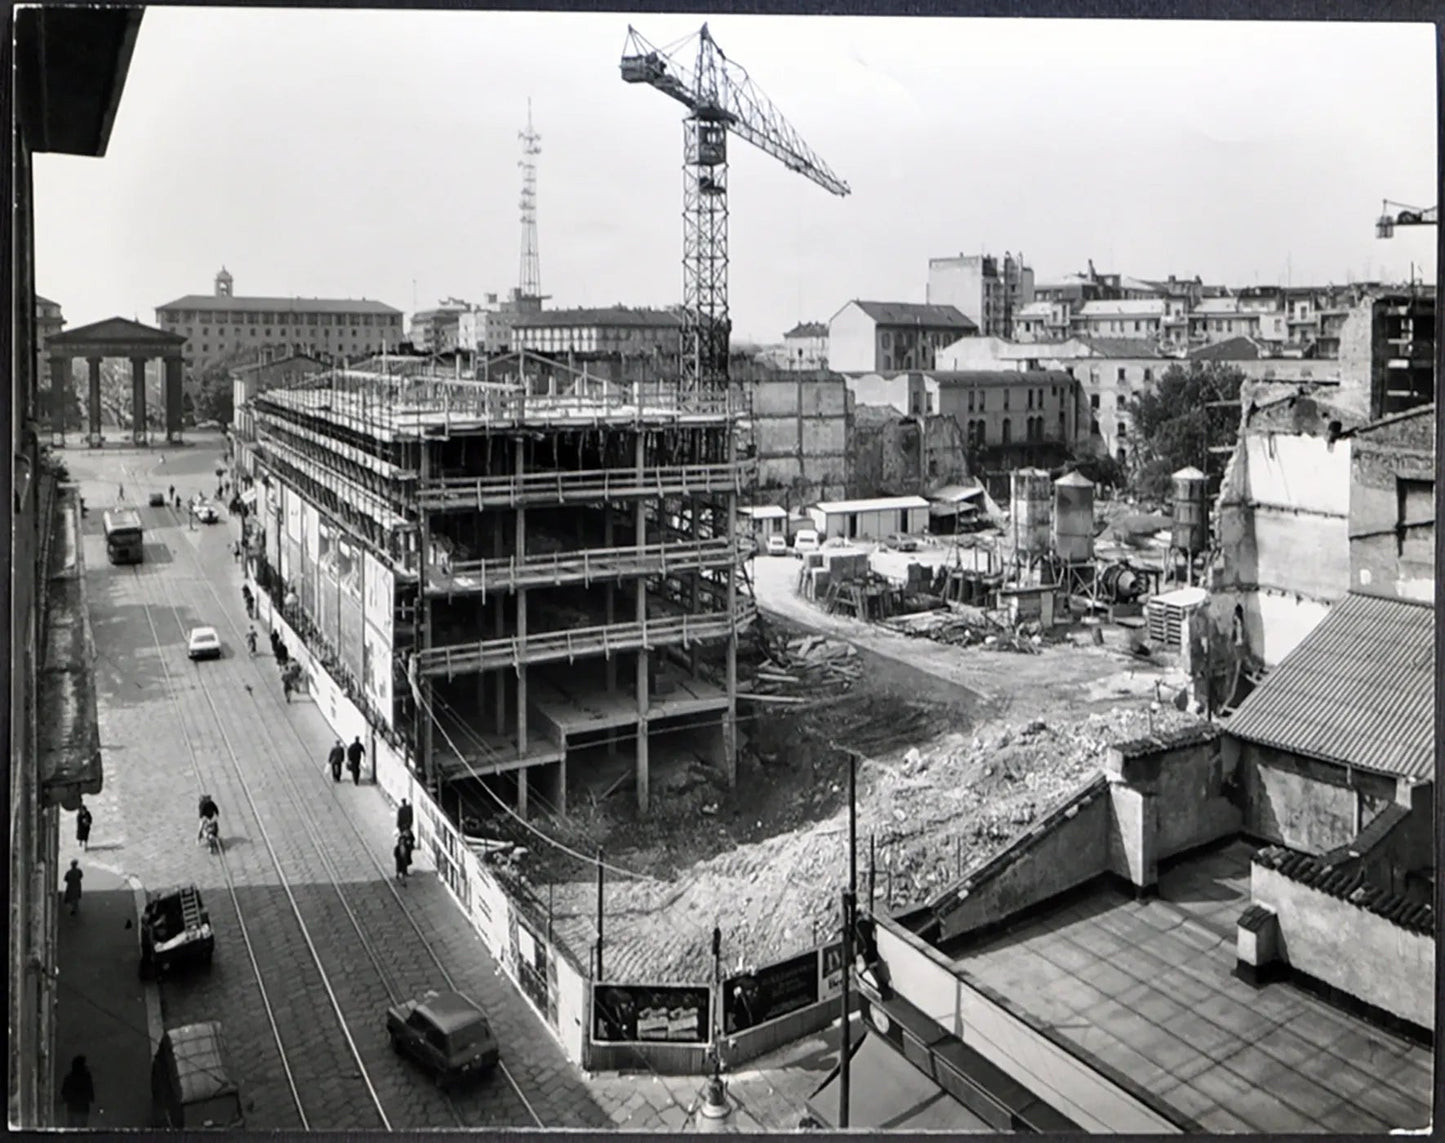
116	337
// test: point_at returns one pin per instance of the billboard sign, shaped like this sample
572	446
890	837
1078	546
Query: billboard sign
650	1014
771	992
379	586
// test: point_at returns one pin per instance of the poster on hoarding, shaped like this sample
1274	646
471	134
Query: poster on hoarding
770	992
639	1013
292	503
379	590
376	671
830	971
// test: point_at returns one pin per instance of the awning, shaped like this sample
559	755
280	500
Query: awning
887	1093
956	493
248	497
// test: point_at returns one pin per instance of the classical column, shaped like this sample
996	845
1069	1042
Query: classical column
173	366
94	410
138	400
59	392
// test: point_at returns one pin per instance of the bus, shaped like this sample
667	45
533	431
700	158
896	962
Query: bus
123	542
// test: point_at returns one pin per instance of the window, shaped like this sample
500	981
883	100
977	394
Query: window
982	401
1148	374
1121	373
1031	401
1005	402
1121	430
1415	505
970	400
1093	400
1094	426
1005	437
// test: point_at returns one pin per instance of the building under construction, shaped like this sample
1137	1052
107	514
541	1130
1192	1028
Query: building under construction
529	580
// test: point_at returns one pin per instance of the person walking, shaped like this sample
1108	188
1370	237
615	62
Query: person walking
403	817
283	656
251	640
172	494
120	491
401	851
82	826
353	759
73	878
77	1092
336	758
286	687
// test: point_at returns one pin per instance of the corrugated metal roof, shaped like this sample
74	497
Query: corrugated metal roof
1359	690
879	505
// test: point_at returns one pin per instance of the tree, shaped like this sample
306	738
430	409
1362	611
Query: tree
1177	423
1105	471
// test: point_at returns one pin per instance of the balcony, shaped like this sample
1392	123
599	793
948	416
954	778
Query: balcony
583	642
555	568
471	493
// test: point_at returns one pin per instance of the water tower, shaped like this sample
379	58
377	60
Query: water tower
1030	504
1073	531
1191	516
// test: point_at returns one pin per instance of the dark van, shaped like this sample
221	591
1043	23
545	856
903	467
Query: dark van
191	1087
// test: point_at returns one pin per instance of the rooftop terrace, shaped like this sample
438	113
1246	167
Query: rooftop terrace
1147	989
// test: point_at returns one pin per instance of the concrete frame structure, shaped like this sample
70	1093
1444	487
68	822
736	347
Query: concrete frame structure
116	337
542	529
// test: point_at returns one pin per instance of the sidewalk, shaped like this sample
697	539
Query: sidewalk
766	1094
104	1011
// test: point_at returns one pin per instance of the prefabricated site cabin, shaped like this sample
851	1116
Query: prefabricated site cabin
870	519
764	521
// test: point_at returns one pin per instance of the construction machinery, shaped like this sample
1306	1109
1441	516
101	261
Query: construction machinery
1404	216
719	97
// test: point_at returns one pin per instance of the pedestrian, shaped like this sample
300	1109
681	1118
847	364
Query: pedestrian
353	759
120	491
403	817
77	1092
286	687
251	640
336	758
172	495
73	877
283	656
402	852
82	826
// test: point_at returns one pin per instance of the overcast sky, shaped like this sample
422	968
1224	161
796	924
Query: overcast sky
354	153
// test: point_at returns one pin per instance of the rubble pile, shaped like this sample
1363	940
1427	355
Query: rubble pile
963	626
929	814
808	665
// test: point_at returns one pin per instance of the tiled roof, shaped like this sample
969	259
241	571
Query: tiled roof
1198	734
1233	349
1148	306
1121	346
612	316
1348	885
298	305
808	329
1359	690
999	376
910	313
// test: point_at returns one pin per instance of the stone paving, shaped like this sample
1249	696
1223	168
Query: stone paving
169	727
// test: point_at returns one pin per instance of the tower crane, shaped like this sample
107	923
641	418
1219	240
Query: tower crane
719	97
1404	216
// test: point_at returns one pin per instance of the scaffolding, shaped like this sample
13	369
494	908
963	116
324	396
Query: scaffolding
541	530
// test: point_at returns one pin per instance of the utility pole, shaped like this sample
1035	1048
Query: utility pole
599	914
850	902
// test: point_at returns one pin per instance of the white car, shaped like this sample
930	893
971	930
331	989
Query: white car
777	545
805	541
204	643
206	512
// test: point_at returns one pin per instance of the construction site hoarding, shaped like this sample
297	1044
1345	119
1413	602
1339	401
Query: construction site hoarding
770	992
651	1014
379	597
328	612
348	576
291	500
376	671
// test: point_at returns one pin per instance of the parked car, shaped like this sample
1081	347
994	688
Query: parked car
158	500
806	540
900	542
203	643
206	512
191	1088
777	546
175	930
445	1032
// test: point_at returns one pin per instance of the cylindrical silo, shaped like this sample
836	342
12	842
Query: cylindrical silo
1074	518
1031	504
1191	510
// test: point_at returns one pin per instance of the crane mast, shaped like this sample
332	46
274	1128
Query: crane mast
720	98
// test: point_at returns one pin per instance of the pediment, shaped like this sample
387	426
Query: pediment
114	336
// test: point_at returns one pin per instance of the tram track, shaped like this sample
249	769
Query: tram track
373	902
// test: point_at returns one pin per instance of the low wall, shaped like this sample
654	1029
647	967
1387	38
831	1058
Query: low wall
1025	1051
1369	943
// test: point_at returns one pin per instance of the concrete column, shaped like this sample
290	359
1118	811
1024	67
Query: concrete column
522	792
501	695
640	527
730	718
92	400
560	799
173	367
138	398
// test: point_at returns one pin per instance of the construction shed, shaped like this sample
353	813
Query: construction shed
765	520
870	519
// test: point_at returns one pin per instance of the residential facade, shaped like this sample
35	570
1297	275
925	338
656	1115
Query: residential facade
615	332
866	337
806	347
332	328
1011	418
435	330
986	290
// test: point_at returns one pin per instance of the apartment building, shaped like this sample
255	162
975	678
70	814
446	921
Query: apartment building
865	337
435	330
986	290
805	347
223	323
527	582
614	332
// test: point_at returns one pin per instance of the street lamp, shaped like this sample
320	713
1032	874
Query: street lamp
1404	216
